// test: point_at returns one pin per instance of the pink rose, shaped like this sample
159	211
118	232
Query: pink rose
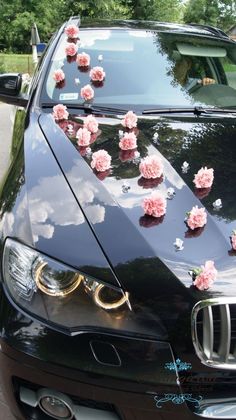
60	112
233	240
58	76
130	120
196	218
155	204
70	49
83	59
97	74
206	276
101	161
72	31
91	124
129	141
151	167
87	92
83	136
204	178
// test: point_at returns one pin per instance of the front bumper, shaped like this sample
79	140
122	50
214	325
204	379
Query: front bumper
118	374
86	390
121	376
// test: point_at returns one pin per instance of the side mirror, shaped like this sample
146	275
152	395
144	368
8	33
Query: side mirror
10	83
10	87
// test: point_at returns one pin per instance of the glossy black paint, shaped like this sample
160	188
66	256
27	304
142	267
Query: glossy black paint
200	143
54	202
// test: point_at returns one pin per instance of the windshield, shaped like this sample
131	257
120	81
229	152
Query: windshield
146	69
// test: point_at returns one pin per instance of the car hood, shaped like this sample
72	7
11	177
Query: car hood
141	249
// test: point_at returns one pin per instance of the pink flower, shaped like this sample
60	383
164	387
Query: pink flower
155	204
58	76
151	167
205	276
60	112
97	74
87	92
129	141
83	136
196	218
233	240
72	31
204	178
130	120
71	49
101	161
83	59
91	124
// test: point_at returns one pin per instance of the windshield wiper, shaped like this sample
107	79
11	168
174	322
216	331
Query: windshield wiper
195	110
89	108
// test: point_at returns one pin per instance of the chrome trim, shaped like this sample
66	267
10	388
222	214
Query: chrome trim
220	358
219	408
78	412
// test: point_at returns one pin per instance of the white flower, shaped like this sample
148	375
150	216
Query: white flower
185	167
217	204
121	134
178	244
77	81
170	193
100	57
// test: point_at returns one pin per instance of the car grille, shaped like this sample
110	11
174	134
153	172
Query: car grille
214	332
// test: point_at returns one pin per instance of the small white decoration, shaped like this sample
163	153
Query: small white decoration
125	187
185	167
88	152
170	193
121	134
217	204
155	138
77	81
137	158
100	57
70	128
178	244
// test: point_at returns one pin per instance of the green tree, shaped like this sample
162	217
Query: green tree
96	9
212	12
16	19
160	10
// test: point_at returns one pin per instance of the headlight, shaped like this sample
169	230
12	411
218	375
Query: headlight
58	294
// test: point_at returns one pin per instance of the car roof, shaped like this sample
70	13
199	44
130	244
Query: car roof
194	29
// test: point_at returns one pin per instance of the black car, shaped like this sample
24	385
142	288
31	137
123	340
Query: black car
118	226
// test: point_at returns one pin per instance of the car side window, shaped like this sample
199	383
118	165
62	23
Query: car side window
230	71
